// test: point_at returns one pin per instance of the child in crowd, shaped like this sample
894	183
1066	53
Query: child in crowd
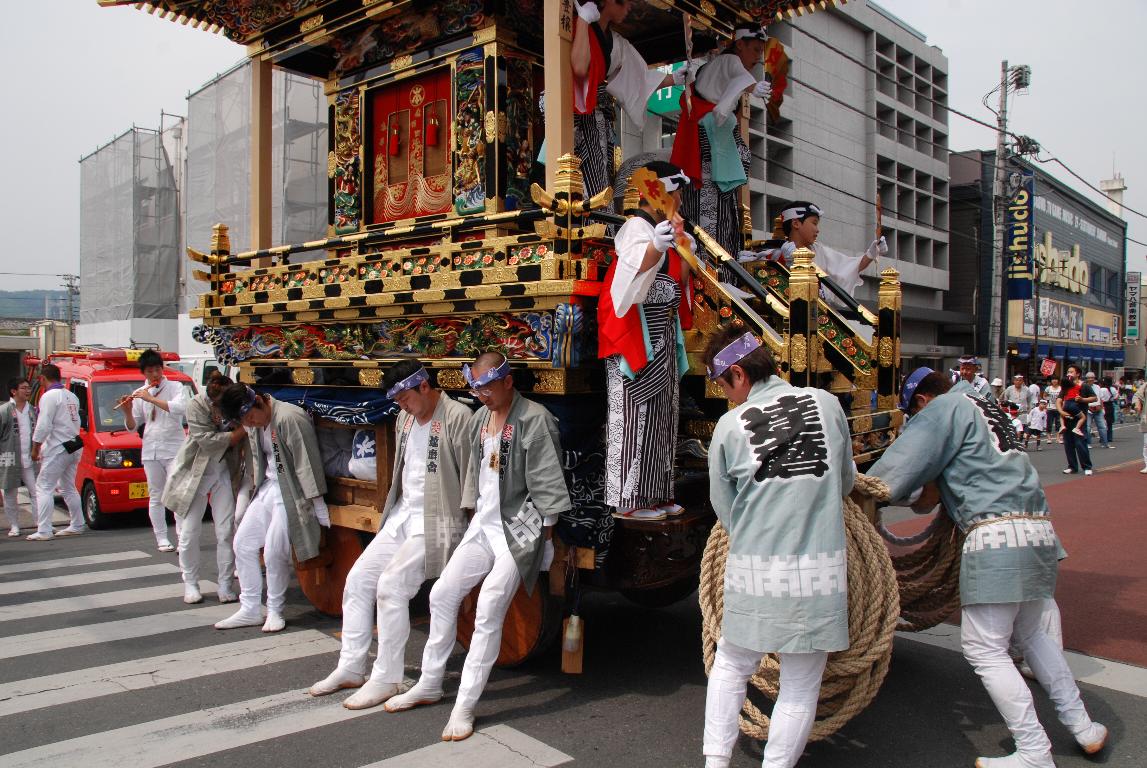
1077	415
1013	412
1037	425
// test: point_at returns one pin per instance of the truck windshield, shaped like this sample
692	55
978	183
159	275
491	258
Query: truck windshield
107	418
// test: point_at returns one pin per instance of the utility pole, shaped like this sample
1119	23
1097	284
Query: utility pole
72	285
996	263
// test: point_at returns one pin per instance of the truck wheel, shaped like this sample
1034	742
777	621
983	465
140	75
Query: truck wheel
91	504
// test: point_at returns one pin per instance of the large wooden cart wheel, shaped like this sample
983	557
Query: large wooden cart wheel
532	623
322	578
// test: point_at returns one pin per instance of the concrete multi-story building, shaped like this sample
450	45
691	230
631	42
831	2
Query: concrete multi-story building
1080	253
150	193
866	113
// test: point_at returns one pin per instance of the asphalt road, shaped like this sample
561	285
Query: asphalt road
101	664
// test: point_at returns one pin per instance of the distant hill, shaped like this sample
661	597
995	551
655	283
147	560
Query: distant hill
30	304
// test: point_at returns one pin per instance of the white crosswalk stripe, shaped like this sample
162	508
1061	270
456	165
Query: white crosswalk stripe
61	605
91	634
84	579
50	690
206	735
68	562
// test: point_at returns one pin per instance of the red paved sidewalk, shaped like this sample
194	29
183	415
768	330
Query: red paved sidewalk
1102	587
1102	591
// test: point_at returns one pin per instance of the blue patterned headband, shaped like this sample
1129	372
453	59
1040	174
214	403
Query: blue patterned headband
413	381
910	385
244	409
490	376
731	355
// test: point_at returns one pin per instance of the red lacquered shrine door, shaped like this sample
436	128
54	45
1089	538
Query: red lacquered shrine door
410	147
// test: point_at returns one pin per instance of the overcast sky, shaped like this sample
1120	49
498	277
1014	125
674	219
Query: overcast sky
78	75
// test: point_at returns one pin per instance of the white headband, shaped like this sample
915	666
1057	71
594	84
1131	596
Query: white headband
797	212
672	183
756	34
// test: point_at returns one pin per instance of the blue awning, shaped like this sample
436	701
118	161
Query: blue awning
1058	351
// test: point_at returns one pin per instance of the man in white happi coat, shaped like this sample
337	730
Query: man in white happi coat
422	523
284	476
207	465
17	420
56	445
517	491
989	488
780	464
160	405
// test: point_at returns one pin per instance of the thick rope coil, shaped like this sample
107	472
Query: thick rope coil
910	591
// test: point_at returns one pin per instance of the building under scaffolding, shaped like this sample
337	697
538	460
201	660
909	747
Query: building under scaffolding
148	194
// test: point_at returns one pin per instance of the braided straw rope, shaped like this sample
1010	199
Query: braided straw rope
877	584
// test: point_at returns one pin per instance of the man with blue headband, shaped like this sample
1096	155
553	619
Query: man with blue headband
422	523
780	464
286	512
988	486
517	491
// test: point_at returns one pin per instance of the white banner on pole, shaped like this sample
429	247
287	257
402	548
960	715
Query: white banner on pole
1134	281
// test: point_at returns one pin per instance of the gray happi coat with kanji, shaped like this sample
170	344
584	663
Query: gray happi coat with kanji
11	463
779	467
530	469
207	442
968	447
447	459
300	469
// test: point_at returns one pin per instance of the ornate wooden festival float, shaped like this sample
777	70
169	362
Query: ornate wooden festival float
438	248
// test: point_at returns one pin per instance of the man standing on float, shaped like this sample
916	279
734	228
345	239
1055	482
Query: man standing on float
516	489
646	303
422	523
607	70
780	464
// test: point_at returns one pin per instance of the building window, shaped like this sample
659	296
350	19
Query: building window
1098	283
1113	285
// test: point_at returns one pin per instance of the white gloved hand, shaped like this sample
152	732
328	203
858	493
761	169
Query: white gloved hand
681	76
763	89
744	256
547	555
878	248
663	236
588	12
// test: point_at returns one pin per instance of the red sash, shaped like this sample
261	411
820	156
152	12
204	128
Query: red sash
624	335
687	143
596	75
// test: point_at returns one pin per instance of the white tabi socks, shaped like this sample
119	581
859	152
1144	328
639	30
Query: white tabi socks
460	725
1017	760
415	697
371	694
241	618
274	622
336	681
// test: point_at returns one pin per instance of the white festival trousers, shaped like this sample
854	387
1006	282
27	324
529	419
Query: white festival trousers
793	713
58	470
264	527
985	631
473	560
1145	450
216	482
157	472
385	577
11	507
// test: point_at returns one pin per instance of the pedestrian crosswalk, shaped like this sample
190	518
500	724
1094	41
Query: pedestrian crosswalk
171	654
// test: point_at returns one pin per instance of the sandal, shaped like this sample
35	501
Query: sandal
644	514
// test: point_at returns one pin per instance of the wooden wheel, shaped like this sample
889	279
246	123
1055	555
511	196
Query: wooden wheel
322	578
531	624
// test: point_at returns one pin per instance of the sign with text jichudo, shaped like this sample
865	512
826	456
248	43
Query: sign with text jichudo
1019	234
1134	286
